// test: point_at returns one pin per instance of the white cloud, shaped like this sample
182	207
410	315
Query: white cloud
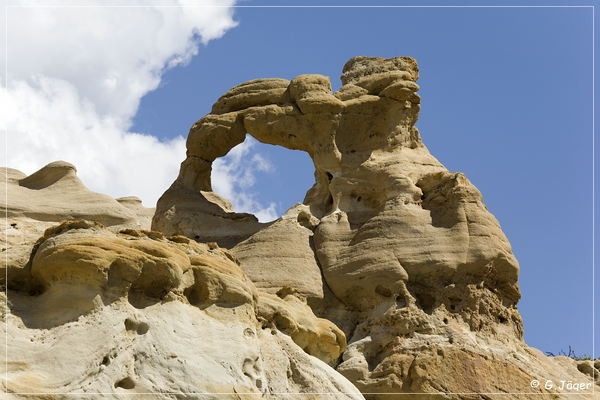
51	122
112	55
75	80
233	175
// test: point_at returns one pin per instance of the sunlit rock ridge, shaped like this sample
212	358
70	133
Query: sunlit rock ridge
390	278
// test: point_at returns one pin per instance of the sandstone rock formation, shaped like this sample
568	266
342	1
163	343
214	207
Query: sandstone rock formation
391	278
54	193
143	214
135	312
34	203
400	253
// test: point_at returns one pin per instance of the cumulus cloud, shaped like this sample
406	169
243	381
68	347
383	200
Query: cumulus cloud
233	176
50	121
75	79
113	55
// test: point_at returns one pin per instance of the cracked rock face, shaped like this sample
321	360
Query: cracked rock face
399	252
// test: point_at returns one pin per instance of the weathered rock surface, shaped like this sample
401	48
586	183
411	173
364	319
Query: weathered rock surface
419	274
135	312
391	277
125	310
34	203
143	214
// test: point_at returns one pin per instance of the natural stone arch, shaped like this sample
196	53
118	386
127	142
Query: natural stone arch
382	208
388	244
301	114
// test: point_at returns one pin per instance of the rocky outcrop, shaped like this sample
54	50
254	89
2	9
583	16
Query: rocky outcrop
34	203
123	310
43	199
143	214
135	312
391	278
414	268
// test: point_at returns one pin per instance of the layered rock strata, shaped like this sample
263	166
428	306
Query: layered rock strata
134	312
400	253
120	310
36	202
392	277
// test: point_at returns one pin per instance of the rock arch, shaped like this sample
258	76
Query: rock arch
382	208
376	108
388	244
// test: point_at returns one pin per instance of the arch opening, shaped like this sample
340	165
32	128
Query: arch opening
262	179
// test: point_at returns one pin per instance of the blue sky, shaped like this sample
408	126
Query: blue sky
506	99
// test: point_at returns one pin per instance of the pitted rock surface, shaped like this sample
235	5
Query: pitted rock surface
415	269
391	278
384	210
136	312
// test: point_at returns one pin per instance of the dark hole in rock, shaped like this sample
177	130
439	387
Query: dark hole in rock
400	301
587	369
282	323
285	291
13	224
426	301
130	324
106	360
151	286
329	176
453	303
304	220
125	383
140	300
359	198
142	328
192	295
446	321
385	292
502	320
